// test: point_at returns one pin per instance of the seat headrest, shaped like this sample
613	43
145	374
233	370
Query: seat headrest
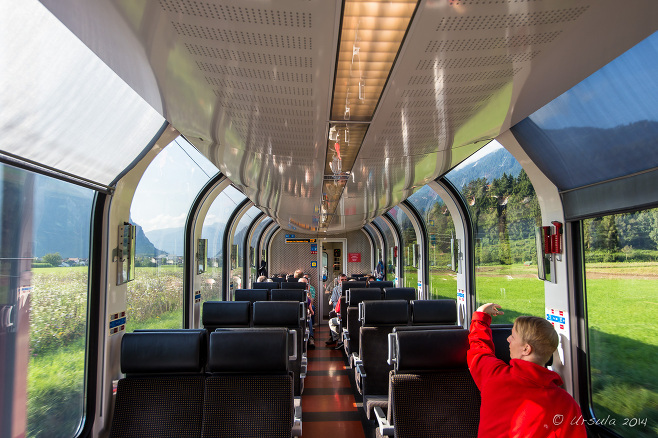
349	285
288	295
226	313
381	284
251	295
276	314
499	335
425	350
392	312
399	293
293	285
357	295
170	352
434	312
248	351
264	285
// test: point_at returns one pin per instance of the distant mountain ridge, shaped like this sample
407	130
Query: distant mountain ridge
491	166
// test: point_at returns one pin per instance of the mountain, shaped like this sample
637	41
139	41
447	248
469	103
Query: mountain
61	218
170	240
491	166
143	246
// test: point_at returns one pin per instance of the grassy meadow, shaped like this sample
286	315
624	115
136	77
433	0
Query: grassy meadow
622	301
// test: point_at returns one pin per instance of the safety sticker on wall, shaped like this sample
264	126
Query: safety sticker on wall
117	322
560	320
461	297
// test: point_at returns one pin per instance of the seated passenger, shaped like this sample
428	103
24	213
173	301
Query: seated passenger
522	399
261	279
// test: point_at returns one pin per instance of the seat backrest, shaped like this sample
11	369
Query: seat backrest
218	314
283	314
249	391
379	319
357	295
347	285
293	285
251	295
278	279
265	285
354	297
162	393
452	406
288	295
434	312
381	284
399	293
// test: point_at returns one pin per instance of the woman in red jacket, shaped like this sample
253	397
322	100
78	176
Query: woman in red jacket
522	399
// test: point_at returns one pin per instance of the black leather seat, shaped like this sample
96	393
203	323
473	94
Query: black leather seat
162	393
285	314
378	320
431	391
249	392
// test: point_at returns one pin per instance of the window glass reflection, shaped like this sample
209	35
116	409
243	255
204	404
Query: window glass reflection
505	211
411	253
441	233
620	272
390	261
159	209
214	225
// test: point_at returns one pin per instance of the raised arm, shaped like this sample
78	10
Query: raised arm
481	356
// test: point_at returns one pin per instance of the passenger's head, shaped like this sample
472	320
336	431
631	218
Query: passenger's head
299	273
342	277
536	333
261	279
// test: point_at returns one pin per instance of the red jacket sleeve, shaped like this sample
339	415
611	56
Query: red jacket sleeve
481	357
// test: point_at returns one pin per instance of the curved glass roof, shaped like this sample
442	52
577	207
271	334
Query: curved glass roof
53	90
603	128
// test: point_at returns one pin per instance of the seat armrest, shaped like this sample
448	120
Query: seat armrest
360	376
385	429
297	418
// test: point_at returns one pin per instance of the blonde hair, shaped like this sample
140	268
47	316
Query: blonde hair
539	334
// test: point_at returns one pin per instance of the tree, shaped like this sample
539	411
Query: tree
53	259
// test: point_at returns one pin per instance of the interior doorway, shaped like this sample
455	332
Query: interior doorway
334	260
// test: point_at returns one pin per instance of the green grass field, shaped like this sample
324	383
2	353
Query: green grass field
622	301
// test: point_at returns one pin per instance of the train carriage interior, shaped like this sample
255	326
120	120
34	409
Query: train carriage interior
169	169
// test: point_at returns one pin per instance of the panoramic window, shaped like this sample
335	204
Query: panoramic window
410	250
621	258
391	248
159	209
213	229
504	211
45	257
441	234
253	247
238	248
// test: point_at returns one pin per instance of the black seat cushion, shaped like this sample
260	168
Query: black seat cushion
158	406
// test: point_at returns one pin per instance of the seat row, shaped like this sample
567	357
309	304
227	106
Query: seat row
377	320
419	312
262	314
430	390
246	389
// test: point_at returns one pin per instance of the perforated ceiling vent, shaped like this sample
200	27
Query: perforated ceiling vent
490	43
237	14
486	22
240	37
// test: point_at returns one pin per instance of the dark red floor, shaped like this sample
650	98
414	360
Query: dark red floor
329	406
